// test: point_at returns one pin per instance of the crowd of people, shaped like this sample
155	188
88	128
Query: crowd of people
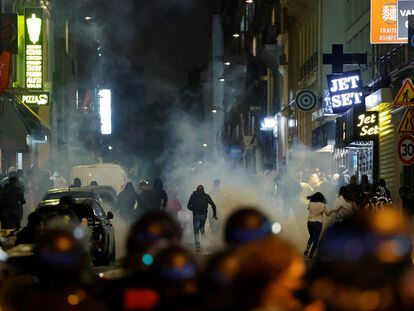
362	263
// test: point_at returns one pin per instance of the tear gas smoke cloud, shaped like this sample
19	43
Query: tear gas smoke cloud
239	187
134	23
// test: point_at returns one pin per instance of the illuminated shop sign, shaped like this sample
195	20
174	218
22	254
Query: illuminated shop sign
355	126
366	126
40	99
384	22
34	48
105	111
345	90
404	9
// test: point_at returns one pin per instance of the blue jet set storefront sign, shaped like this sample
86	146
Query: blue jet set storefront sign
345	90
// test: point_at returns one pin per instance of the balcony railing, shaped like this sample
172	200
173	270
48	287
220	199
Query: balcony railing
309	65
395	59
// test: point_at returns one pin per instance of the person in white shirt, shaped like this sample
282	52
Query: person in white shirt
316	208
344	205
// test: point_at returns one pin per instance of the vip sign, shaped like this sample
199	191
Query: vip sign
345	90
366	126
41	99
405	9
384	22
34	48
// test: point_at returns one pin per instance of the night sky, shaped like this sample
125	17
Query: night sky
168	37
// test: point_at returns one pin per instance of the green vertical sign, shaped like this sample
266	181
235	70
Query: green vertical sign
33	21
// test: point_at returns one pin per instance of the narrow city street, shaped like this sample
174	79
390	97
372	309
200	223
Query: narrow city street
209	155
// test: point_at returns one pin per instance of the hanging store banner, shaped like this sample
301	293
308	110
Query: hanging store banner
405	8
34	48
384	22
366	126
354	126
5	63
345	90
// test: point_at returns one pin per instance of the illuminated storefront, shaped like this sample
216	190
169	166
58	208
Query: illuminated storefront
381	102
357	144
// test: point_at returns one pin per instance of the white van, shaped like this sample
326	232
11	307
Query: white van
105	174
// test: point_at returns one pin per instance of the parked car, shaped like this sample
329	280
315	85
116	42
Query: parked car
54	195
101	231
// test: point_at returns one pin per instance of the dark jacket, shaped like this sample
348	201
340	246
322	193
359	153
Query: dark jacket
12	198
159	199
145	201
126	202
356	192
199	202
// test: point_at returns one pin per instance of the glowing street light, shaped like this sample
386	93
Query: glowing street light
200	162
222	79
268	124
227	63
236	35
215	109
110	148
88	18
205	145
276	228
249	1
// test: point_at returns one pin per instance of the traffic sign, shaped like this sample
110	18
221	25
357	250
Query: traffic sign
406	150
407	122
405	96
306	100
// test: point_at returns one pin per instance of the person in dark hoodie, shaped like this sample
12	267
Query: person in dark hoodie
126	202
12	205
144	198
159	197
198	204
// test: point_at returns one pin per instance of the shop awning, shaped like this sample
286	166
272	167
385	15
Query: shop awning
35	126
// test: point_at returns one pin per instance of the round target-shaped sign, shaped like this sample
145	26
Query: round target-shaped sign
306	100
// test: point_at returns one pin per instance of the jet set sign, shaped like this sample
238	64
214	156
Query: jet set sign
345	90
366	126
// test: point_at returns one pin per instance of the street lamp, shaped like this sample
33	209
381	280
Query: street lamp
88	18
236	35
214	109
227	63
249	1
268	124
205	145
222	79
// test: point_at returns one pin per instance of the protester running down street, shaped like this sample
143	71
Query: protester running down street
126	202
316	208
198	204
344	205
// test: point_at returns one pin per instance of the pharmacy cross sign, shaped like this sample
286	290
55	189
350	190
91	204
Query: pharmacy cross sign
338	59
